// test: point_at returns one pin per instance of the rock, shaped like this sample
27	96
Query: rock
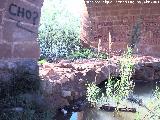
65	77
18	76
100	76
66	93
148	73
90	75
66	65
17	109
36	100
55	101
157	75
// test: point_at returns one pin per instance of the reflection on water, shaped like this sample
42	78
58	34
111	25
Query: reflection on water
142	91
75	116
94	114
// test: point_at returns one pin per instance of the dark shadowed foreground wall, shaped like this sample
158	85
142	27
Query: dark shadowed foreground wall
19	49
101	17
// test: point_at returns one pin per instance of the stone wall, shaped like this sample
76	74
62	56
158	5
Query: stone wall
19	52
101	17
19	49
19	20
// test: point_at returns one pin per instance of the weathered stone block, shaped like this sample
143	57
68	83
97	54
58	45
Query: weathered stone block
0	33
36	2
114	13
145	11
2	5
23	12
89	75
5	50
1	17
134	12
123	12
121	23
155	50
15	31
26	50
155	11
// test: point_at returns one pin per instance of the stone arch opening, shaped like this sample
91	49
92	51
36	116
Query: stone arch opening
19	22
59	29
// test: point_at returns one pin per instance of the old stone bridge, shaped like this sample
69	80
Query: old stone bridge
19	22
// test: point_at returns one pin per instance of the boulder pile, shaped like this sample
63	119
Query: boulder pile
66	80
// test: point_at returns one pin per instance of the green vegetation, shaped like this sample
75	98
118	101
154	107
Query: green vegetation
42	61
21	107
59	31
116	90
87	53
120	89
154	105
22	98
93	93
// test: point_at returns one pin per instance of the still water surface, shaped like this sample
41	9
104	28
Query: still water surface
142	91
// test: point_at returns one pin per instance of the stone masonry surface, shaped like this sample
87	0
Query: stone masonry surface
19	21
100	17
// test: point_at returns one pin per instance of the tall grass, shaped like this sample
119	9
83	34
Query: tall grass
119	89
116	90
154	106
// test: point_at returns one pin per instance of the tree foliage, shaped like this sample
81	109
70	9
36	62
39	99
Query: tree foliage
59	30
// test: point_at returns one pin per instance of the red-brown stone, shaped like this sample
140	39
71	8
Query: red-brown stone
1	15
26	50
145	11
22	11
13	33
5	50
0	34
155	11
36	2
134	12
119	19
2	5
86	71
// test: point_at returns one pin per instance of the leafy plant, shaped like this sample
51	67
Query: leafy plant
59	30
116	90
87	53
154	106
23	107
93	93
120	89
42	61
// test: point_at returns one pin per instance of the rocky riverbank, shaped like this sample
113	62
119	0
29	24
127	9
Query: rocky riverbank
66	80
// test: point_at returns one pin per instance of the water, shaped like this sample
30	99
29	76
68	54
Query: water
142	91
74	116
